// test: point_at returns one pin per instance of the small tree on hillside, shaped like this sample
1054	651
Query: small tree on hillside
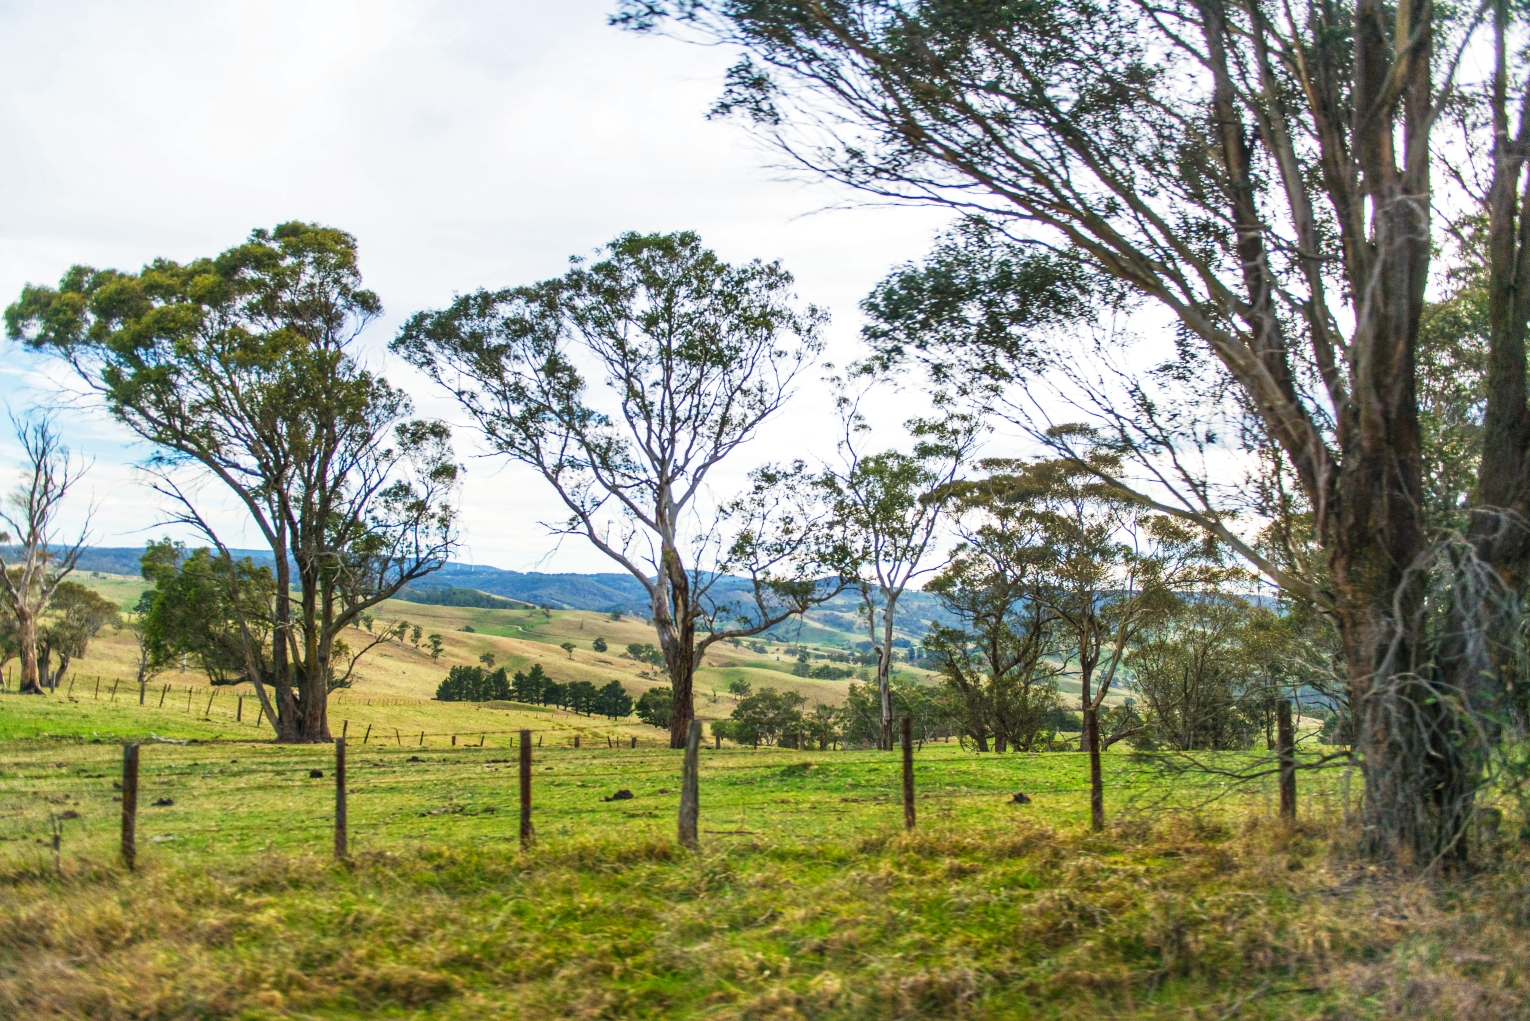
38	564
688	357
76	616
569	648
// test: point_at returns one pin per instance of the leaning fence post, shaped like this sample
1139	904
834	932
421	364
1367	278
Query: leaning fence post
340	828
526	832
162	695
367	736
906	735
689	792
1286	751
129	805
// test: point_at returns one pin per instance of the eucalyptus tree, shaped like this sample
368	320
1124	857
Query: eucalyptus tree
1005	648
887	509
241	369
37	562
1107	569
1269	178
76	616
624	384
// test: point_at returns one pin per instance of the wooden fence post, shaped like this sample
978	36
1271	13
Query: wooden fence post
260	717
422	739
129	805
114	689
1285	740
689	789
634	742
239	711
576	740
367	736
527	835
188	700
340	828
98	685
208	711
906	734
162	695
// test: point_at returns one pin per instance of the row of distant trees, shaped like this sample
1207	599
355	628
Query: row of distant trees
534	687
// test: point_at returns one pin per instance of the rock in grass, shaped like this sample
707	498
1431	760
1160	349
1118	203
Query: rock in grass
316	774
622	795
163	802
1020	799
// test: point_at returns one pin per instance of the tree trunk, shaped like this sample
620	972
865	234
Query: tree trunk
26	628
1096	782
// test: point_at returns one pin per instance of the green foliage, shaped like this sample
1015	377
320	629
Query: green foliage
644	652
767	716
582	697
655	706
201	605
474	684
449	596
613	702
599	644
531	687
569	648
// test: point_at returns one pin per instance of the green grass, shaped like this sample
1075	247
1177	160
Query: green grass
805	900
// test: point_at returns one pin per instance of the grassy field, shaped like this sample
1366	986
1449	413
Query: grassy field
806	898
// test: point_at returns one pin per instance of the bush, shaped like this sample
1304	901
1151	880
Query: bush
656	707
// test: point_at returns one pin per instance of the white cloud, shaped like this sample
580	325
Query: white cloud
465	145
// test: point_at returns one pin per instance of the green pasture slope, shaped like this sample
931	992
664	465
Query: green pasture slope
805	900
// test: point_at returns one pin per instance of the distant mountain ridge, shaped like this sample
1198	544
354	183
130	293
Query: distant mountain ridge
601	592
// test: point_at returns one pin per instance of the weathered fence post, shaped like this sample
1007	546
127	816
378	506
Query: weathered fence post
1285	741
98	685
260	717
526	832
634	742
576	740
367	736
689	789
397	738
239	710
115	682
162	695
906	734
129	805
189	694
345	728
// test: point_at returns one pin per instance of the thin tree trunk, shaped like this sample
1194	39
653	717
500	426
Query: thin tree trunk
26	627
1096	782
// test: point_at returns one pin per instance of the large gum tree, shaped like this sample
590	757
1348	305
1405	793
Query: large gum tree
1270	177
241	369
625	383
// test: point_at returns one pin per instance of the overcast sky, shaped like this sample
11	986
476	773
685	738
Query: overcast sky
464	144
